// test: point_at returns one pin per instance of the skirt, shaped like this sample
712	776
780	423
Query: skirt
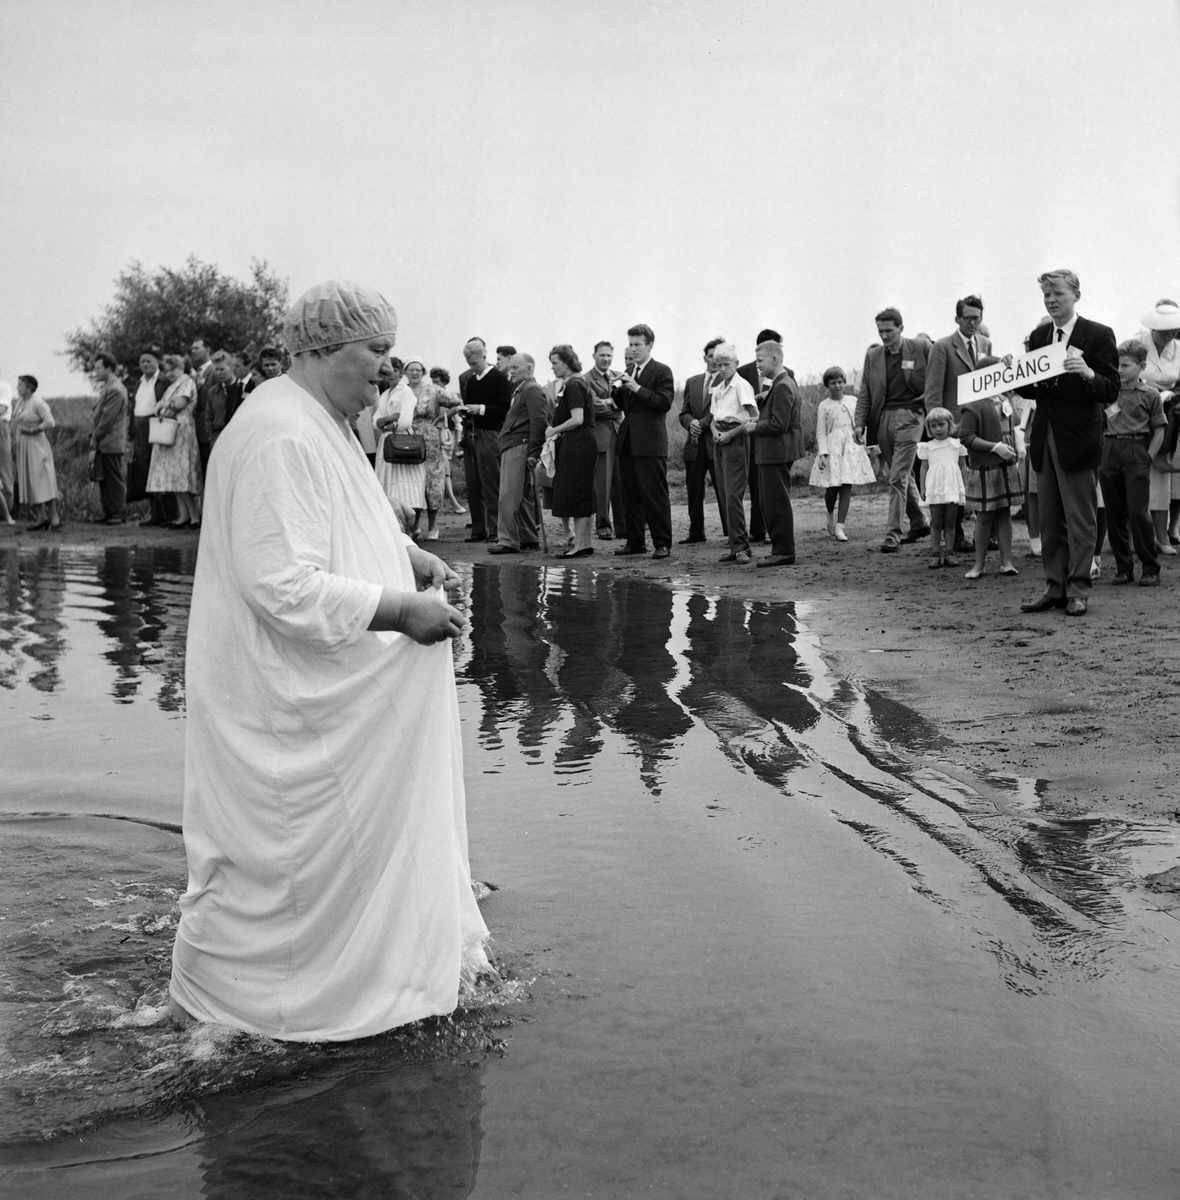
990	489
573	475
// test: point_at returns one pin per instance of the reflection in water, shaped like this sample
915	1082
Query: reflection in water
33	594
409	1133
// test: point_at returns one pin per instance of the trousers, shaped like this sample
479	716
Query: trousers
517	503
730	461
1125	476
481	471
898	434
1069	524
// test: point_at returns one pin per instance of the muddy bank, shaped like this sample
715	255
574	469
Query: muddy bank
1090	705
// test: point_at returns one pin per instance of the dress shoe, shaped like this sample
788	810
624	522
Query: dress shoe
530	545
1076	607
915	535
742	558
604	535
964	546
1166	549
1148	581
661	552
37	527
1045	603
629	549
889	547
728	556
501	548
1123	578
476	537
777	560
577	553
690	541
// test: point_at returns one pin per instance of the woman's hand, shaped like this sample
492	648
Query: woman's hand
550	433
823	462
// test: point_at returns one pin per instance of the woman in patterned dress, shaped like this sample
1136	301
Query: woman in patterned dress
36	480
177	468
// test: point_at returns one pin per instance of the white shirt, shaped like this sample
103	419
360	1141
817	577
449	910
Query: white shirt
969	344
1163	366
730	398
1066	331
329	887
145	396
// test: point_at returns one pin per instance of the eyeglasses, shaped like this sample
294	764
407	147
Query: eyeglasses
970	320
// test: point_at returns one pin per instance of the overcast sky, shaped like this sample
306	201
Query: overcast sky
541	171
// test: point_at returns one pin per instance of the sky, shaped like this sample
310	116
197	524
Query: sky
545	171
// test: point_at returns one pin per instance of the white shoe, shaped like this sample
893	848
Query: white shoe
432	536
1034	547
1165	549
840	535
1096	567
831	524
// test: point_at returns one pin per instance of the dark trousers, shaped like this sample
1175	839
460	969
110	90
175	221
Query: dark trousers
774	482
698	472
1125	476
609	502
112	485
731	462
645	487
1069	523
757	519
481	469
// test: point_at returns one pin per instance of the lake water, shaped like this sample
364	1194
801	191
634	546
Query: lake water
758	940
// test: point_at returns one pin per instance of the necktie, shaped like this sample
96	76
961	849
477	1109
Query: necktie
1061	335
971	352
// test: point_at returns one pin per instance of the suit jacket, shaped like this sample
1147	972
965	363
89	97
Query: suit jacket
214	396
871	401
110	419
234	395
607	414
778	435
525	422
643	433
1070	405
697	405
948	360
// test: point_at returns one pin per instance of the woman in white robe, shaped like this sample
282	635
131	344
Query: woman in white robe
329	891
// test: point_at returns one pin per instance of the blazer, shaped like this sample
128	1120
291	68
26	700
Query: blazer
778	435
607	414
870	403
643	433
947	361
234	395
981	423
1070	405
525	422
697	405
109	435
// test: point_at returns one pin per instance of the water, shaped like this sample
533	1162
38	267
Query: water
771	944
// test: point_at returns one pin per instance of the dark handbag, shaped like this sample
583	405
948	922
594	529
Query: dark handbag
404	448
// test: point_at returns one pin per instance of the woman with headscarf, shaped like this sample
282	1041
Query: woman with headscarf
1161	337
421	410
36	479
329	892
176	469
577	449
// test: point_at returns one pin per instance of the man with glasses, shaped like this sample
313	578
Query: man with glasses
961	352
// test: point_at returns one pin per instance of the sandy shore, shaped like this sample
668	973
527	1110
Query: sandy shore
1091	705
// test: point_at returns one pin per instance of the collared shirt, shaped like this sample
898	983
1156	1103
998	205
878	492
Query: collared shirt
730	399
639	367
145	396
1137	410
1066	331
970	346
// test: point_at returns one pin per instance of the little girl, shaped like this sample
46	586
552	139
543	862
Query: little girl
988	430
942	482
841	460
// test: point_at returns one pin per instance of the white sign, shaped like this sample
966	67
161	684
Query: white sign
1028	368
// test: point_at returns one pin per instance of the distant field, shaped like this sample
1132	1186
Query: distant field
72	412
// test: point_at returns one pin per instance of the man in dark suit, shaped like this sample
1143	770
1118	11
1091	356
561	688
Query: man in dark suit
645	396
202	361
608	483
963	351
108	440
1066	443
697	419
890	412
778	441
749	372
487	395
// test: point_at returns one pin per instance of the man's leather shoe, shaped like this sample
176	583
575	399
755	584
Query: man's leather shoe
605	535
689	541
1045	603
742	557
1076	607
889	547
661	552
1122	580
500	548
728	556
777	560
915	535
476	537
1148	581
629	549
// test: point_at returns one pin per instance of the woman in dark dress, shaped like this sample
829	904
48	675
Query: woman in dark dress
577	449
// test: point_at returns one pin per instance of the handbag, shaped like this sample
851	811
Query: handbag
404	448
162	431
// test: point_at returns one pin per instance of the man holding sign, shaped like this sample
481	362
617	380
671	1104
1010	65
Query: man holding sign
1066	443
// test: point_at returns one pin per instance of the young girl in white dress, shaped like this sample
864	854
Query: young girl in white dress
840	460
942	484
